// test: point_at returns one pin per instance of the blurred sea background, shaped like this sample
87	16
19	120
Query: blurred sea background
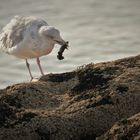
98	30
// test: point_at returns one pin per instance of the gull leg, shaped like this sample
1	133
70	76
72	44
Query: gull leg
38	62
28	66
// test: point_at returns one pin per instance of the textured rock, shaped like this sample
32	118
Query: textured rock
126	129
78	105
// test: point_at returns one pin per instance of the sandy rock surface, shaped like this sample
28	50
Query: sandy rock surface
126	129
84	104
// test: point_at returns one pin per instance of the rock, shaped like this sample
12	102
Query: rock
126	129
80	105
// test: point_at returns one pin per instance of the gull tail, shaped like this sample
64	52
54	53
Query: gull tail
3	39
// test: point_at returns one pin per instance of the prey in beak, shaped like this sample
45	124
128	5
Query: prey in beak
62	49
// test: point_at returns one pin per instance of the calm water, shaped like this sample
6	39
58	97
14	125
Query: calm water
97	31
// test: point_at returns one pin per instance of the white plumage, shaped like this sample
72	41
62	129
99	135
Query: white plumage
29	37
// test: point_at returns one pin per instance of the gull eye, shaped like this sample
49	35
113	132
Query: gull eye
51	37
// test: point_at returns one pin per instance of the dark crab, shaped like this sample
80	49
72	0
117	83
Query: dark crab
61	50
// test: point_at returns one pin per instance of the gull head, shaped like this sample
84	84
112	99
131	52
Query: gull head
52	35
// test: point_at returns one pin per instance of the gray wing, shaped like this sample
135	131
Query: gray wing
12	33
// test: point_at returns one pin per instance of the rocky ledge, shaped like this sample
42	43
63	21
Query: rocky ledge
95	102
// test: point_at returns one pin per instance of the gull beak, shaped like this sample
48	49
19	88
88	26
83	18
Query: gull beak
60	42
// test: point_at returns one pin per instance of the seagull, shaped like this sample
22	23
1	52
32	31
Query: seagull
28	37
